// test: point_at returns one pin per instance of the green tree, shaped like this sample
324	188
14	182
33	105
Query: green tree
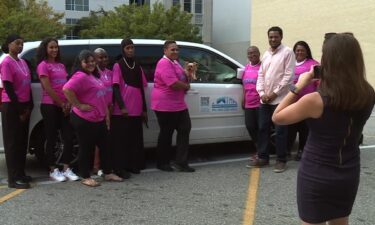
31	19
142	22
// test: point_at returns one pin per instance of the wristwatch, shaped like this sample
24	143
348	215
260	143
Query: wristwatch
293	89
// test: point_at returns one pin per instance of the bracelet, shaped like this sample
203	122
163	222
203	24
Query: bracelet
294	92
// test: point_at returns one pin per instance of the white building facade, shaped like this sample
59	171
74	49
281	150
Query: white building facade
224	25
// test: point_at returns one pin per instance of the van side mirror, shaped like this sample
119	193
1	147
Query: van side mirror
240	73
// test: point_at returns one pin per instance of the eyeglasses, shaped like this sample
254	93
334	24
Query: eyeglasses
331	34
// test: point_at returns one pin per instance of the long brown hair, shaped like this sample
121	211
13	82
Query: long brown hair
343	78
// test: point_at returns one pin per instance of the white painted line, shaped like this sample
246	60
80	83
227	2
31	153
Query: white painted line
367	146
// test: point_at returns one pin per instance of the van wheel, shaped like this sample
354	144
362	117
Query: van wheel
38	147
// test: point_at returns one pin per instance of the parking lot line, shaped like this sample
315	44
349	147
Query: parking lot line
249	214
11	195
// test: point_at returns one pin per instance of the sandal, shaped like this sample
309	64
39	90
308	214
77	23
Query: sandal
112	177
90	182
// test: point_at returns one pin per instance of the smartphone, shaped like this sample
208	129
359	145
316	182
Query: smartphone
317	72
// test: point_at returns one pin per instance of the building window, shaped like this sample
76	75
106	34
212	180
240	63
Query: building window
71	23
187	6
175	2
138	2
77	5
198	6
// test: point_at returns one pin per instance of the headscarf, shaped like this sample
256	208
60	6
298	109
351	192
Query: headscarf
132	76
10	39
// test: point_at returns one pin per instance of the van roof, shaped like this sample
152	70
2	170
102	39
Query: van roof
35	44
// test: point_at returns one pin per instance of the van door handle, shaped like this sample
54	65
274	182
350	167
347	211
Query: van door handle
192	92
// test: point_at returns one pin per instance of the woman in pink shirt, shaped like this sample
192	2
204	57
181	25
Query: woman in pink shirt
168	101
129	112
304	62
90	116
16	109
251	97
55	108
102	61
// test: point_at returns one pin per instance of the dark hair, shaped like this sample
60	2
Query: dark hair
343	78
306	46
41	52
168	42
83	56
278	29
8	40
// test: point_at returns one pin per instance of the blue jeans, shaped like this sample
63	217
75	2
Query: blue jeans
265	123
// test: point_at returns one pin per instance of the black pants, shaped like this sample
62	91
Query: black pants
168	122
91	134
54	120
251	122
303	132
126	138
15	135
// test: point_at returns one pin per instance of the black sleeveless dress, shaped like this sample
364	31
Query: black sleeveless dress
328	174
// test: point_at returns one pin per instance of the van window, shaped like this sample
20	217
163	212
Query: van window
68	55
212	68
146	55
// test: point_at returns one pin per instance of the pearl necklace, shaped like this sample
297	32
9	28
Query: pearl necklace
128	64
21	68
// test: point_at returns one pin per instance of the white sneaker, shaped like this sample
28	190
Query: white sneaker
100	173
57	175
70	175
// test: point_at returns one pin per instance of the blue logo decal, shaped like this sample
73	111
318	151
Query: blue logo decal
224	104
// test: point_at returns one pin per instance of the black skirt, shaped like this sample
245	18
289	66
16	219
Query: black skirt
326	192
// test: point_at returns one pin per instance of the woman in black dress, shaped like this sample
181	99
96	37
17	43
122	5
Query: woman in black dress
328	175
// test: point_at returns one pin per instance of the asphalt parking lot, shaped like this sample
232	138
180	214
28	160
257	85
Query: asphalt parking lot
221	191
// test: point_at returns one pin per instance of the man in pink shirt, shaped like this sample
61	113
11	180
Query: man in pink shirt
274	77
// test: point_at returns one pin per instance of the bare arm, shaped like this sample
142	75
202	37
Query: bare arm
72	98
309	106
179	85
48	88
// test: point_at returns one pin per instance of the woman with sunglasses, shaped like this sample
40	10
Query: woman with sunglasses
328	175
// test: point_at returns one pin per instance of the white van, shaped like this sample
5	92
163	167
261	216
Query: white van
214	99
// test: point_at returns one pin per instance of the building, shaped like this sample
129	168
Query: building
217	28
310	20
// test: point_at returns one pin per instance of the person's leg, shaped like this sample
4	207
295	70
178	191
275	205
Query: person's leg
136	151
67	134
292	133
22	140
265	115
339	221
183	132
10	121
281	139
167	124
86	140
51	119
251	122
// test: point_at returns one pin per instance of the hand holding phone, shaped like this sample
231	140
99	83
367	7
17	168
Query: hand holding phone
317	72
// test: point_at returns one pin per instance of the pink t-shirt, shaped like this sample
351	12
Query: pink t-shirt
302	68
249	81
17	72
88	90
163	97
132	96
106	77
57	75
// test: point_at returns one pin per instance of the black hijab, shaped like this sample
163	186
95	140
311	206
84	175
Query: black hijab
131	71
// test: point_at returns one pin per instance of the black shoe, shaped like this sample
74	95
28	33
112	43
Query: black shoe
123	174
183	168
19	184
26	179
298	156
165	167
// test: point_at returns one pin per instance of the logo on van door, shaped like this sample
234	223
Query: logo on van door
220	104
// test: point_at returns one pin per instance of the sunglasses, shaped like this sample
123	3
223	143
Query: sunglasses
331	34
